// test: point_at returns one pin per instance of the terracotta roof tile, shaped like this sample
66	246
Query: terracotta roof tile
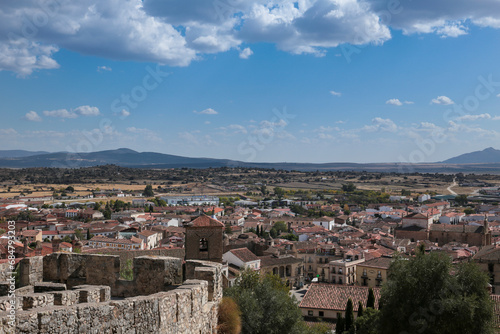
334	297
206	221
244	254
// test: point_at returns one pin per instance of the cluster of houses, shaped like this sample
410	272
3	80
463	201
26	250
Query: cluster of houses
339	254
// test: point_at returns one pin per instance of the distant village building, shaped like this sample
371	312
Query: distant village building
418	227
120	244
373	273
242	258
328	302
204	239
191	200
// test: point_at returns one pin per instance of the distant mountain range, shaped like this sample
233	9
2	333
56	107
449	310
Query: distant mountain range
487	161
19	153
488	155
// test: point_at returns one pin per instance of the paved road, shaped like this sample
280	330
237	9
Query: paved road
452	185
299	294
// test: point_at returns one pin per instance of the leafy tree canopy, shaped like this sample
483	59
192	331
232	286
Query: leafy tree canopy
427	295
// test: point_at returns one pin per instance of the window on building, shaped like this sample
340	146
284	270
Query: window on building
340	280
333	270
364	272
203	245
310	313
321	313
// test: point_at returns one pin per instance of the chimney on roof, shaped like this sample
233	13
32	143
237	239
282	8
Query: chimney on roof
55	244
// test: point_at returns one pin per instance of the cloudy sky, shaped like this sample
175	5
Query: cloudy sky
252	80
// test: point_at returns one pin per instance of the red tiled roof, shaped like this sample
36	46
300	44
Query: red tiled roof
30	233
335	297
244	254
206	221
147	233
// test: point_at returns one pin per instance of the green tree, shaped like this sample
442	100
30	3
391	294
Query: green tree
107	213
291	237
280	227
79	234
279	192
349	187
66	239
148	191
367	324
427	295
228	230
371	299
263	190
349	314
265	304
340	327
360	309
461	200
469	211
70	189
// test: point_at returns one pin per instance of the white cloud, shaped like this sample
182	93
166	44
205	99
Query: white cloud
74	113
208	111
246	53
394	102
61	113
33	116
9	132
104	68
477	117
177	32
23	56
498	95
334	93
326	129
123	113
380	124
451	30
237	128
87	111
409	102
443	100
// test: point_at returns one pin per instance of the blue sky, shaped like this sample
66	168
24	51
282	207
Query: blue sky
303	81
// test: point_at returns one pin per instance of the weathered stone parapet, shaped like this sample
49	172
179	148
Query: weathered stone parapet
37	300
66	298
48	286
156	300
207	271
154	274
78	269
30	270
184	310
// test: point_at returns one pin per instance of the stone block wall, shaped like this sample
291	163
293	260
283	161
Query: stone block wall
170	308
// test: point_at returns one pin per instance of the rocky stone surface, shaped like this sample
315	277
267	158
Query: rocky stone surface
159	306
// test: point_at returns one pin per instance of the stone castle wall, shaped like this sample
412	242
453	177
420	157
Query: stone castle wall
129	255
71	293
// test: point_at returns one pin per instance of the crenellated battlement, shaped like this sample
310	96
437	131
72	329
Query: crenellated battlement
80	293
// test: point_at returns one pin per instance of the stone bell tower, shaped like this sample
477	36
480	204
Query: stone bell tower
204	239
